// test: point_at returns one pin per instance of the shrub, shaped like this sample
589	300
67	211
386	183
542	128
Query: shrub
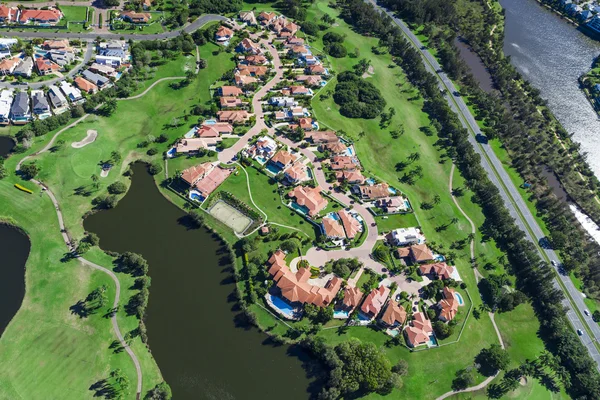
155	168
152	151
117	188
357	97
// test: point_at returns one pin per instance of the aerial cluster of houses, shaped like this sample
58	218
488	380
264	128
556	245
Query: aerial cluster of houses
585	11
21	15
19	107
203	179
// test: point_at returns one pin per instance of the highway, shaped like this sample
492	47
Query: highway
513	200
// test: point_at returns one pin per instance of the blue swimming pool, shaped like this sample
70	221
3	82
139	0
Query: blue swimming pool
282	306
172	151
272	168
334	216
195	195
392	190
407	204
363	317
340	314
370	181
190	134
261	159
432	341
210	122
299	208
459	298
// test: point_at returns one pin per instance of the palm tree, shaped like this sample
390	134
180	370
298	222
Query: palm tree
95	180
436	199
454	221
414	156
361	134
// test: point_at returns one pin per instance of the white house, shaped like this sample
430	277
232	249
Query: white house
283	101
6	99
407	236
71	92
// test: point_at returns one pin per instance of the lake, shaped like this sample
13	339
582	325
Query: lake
203	348
6	145
14	249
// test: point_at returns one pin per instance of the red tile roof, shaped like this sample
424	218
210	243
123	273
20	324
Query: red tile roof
352	226
394	314
332	228
375	301
440	270
352	297
310	198
50	15
85	85
230	91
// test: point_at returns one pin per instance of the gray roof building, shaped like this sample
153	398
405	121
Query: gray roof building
56	97
96	79
40	103
25	68
20	107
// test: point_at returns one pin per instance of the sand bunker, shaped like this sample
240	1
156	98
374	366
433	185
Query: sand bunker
90	138
370	72
104	172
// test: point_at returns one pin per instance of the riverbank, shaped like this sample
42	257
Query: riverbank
590	85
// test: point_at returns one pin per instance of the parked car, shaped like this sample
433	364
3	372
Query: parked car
579	332
586	312
553	262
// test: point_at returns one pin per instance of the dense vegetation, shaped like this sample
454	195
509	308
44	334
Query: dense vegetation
357	97
534	277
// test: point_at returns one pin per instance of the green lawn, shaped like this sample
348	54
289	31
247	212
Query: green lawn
390	222
46	352
75	14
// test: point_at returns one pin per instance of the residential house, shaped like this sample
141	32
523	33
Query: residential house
295	286
297	173
8	65
300	91
317	69
298	112
62	44
194	174
40	104
282	101
266	18
135	17
352	298
309	59
339	163
105	70
192	145
20	112
146	4
113	61
282	115
305	123
318	137
24	68
264	148
353	176
299	51
230	102
214	130
336	148
51	16
439	270
373	192
212	180
71	92
252	70
392	205
352	226
223	34
406	236
230	91
418	253
61	57
248	18
8	14
310	198
57	99
394	315
6	100
45	66
293	41
331	228
375	301
244	80
248	46
448	305
283	159
310	80
85	85
98	80
5	46
283	27
419	331
235	117
256	60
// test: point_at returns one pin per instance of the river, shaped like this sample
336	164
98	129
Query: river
14	248
552	54
195	332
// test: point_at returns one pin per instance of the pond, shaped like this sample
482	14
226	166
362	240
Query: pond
475	64
196	333
6	145
14	248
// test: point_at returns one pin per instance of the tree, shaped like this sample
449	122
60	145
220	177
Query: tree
95	181
115	157
161	391
310	28
202	63
30	170
401	367
289	246
442	330
117	188
464	379
492	359
155	168
196	218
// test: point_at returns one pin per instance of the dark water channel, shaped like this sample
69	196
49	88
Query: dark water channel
476	66
6	145
203	349
14	249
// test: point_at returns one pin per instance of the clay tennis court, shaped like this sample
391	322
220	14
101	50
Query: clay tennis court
230	216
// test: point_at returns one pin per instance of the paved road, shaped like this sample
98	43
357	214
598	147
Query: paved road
89	52
198	23
513	200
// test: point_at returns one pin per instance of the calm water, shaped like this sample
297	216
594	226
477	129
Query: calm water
477	67
195	334
14	249
552	54
6	145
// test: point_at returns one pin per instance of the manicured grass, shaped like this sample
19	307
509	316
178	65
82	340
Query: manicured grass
154	27
75	14
390	222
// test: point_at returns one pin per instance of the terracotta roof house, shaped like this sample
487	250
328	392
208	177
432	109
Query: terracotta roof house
192	175
332	228
352	226
293	41
300	50
248	46
234	116
8	14
230	102
223	34
56	44
191	145
321	136
266	18
305	123
343	162
248	17
310	198
212	180
213	131
350	176
438	270
8	65
283	27
295	286
45	66
403	252
85	85
394	315
392	204
310	80
230	91
243	80
334	147
419	331
135	17
372	192
375	301
252	70
297	173
316	69
420	253
50	16
283	159
300	91
352	298
147	4
256	60
448	306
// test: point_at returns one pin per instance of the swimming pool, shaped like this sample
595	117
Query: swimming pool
432	342
392	190
261	159
282	306
370	181
195	195
407	204
459	298
363	317
340	314
210	122
272	168
299	208
334	216
171	153
350	151
190	134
